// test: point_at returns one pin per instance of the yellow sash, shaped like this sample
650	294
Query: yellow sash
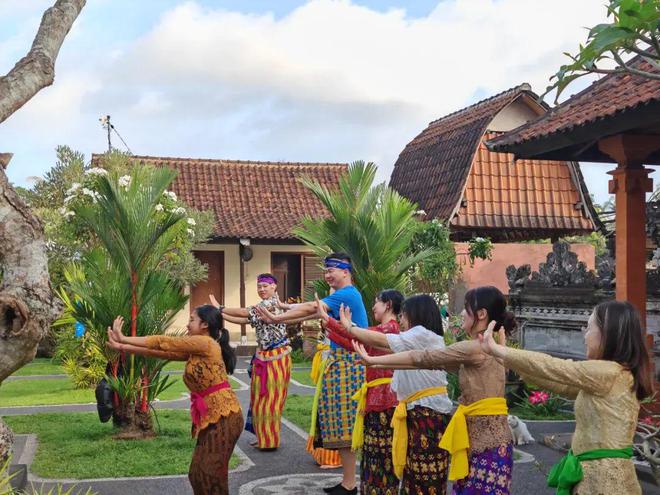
361	397
400	437
455	439
316	362
317	394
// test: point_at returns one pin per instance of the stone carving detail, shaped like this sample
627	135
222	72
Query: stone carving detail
518	276
562	269
605	271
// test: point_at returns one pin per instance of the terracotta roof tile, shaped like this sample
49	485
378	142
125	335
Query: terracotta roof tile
526	196
448	162
613	95
433	167
256	200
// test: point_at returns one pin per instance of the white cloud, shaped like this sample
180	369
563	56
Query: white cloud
331	81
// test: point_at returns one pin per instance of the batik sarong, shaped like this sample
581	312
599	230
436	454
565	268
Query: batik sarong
427	465
490	472
342	377
376	469
209	469
271	372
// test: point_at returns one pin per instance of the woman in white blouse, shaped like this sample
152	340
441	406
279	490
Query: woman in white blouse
424	407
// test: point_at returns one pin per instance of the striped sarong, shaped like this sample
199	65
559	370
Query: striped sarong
342	378
271	373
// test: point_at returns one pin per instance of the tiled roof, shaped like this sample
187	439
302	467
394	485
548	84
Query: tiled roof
451	175
610	97
433	167
523	199
256	200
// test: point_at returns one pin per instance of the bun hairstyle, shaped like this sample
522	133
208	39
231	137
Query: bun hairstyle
622	342
213	318
492	300
392	297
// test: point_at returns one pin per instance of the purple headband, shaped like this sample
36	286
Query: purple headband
265	279
335	263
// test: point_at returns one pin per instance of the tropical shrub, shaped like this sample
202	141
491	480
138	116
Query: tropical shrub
437	272
83	358
135	221
480	247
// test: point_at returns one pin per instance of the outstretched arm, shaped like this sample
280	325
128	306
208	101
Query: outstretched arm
234	319
368	337
397	361
562	376
304	311
230	312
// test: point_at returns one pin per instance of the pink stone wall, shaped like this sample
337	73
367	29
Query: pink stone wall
493	272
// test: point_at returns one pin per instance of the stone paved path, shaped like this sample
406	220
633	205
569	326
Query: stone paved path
290	469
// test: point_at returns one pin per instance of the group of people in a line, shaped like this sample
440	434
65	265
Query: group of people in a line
381	391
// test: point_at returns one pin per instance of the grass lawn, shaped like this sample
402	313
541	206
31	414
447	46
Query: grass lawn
46	366
298	410
522	414
78	446
40	366
302	376
61	391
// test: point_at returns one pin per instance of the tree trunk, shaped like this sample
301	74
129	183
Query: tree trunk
27	304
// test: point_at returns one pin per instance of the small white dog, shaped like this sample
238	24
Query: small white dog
521	435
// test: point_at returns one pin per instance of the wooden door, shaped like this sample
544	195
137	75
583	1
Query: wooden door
214	284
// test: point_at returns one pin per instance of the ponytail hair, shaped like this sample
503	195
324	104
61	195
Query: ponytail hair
492	300
213	318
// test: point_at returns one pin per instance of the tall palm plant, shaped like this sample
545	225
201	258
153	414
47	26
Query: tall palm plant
122	277
373	224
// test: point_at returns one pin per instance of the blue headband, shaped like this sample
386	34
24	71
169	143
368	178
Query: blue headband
335	263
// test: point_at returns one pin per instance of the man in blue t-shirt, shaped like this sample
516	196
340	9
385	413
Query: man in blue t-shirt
343	366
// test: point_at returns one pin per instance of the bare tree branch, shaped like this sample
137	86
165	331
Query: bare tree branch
36	70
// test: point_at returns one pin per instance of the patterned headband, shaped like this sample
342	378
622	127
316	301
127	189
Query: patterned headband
266	280
335	263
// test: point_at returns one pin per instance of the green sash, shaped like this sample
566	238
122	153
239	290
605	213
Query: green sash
568	472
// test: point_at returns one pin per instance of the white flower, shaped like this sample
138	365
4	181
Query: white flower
159	207
420	213
61	211
179	211
89	192
170	194
191	232
124	181
479	239
68	199
191	221
74	187
68	214
96	171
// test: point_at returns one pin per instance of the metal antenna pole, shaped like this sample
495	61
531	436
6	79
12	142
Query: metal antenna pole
107	123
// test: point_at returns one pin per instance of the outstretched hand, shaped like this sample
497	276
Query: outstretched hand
214	301
282	305
488	343
115	335
265	315
362	351
320	309
345	317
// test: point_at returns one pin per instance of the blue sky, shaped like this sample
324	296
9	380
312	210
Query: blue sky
319	80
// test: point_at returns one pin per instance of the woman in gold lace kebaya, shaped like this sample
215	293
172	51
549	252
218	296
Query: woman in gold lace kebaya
478	436
215	410
607	388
